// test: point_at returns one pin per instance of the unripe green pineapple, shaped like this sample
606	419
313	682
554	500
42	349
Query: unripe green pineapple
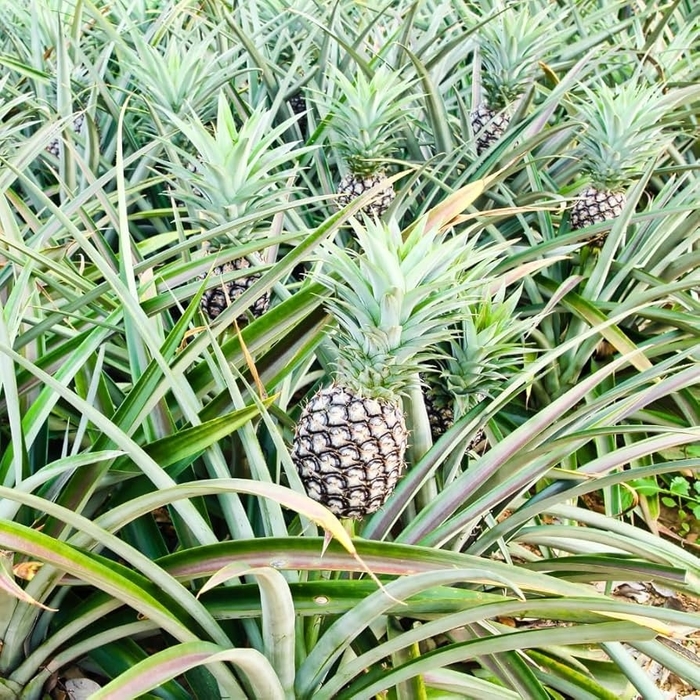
366	118
510	48
392	303
623	132
234	172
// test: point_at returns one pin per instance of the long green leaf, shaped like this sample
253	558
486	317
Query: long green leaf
170	663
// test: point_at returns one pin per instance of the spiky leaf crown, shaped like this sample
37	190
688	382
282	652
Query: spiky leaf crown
511	45
393	303
236	171
366	117
486	350
624	130
283	29
178	76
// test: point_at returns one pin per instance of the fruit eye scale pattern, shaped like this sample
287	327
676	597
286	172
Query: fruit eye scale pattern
350	450
596	206
352	186
216	299
488	126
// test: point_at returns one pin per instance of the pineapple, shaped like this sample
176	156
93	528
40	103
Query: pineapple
480	358
233	173
54	148
623	133
79	84
297	103
439	403
510	47
366	117
392	305
216	299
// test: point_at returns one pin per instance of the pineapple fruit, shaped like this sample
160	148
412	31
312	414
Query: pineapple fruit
54	146
79	84
234	172
297	103
366	116
481	356
510	48
439	403
623	132
349	449
393	303
216	299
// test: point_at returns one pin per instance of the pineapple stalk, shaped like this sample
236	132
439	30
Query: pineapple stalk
420	429
393	303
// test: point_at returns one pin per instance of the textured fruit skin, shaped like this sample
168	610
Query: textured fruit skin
214	300
488	126
352	186
349	450
298	105
441	415
595	206
78	123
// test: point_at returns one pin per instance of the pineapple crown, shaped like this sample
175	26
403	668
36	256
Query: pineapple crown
393	303
487	348
511	46
366	116
236	171
624	129
281	27
178	77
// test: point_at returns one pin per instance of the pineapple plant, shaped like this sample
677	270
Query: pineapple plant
624	130
366	116
234	172
478	360
509	48
393	304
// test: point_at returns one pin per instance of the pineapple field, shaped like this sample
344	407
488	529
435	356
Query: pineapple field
349	350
